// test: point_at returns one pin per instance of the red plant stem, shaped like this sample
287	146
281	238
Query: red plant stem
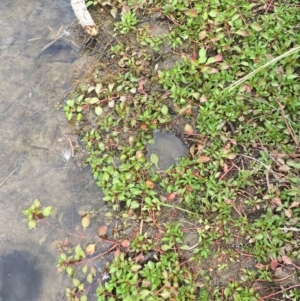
286	289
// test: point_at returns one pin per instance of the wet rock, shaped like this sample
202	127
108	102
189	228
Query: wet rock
19	278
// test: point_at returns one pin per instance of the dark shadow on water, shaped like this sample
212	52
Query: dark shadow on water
20	280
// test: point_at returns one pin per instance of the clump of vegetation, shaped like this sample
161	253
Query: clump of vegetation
223	76
35	213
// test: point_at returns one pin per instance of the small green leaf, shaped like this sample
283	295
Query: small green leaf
256	26
70	271
79	253
76	282
226	292
32	224
165	247
47	211
213	13
98	89
210	60
81	286
154	159
84	269
134	205
202	56
135	267
185	247
85	221
90	278
259	236
165	294
93	100
36	204
98	111
83	298
164	110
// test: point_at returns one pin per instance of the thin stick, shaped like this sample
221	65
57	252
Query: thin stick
267	168
243	79
290	229
4	181
286	289
287	124
71	146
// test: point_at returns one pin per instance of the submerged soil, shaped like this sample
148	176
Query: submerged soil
34	133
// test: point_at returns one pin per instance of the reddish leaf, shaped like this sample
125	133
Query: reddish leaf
203	159
286	259
140	88
288	213
295	204
274	264
218	57
102	230
117	253
140	258
203	98
150	184
260	266
171	196
125	243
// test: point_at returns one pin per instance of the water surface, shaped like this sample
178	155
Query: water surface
33	134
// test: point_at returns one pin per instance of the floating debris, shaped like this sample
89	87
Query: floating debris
66	153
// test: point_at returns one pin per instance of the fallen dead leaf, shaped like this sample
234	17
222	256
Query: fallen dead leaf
102	230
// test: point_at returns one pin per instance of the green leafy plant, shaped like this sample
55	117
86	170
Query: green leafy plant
35	213
127	23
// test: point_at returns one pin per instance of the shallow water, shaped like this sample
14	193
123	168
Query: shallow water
33	135
168	148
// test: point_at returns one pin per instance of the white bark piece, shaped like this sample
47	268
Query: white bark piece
84	17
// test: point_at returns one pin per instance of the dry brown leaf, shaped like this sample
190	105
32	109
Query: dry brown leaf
295	204
203	159
231	156
286	259
139	154
273	265
150	184
188	129
140	258
276	201
125	243
260	266
85	221
117	253
90	249
288	213
171	196
102	230
284	168
192	150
